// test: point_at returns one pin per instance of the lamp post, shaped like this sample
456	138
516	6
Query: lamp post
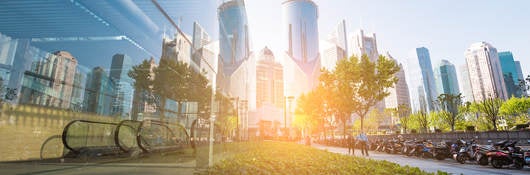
285	99
236	99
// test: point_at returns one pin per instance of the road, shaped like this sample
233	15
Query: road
431	165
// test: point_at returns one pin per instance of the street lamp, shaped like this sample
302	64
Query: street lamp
285	110
237	115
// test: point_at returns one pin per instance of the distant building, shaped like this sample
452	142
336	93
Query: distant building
520	75
50	81
269	79
485	72
465	84
427	78
510	74
363	44
301	59
178	49
335	47
399	94
446	79
233	35
99	92
120	67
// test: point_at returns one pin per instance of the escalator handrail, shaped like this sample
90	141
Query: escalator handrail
160	123
65	132
117	132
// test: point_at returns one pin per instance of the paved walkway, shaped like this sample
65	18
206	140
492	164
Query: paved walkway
431	165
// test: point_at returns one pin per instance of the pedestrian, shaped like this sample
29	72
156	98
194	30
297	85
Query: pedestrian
351	145
363	140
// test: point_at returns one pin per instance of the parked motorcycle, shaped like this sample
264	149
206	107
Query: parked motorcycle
466	152
441	150
508	154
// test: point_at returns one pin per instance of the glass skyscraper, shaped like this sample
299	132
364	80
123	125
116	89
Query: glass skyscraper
485	73
427	75
509	72
446	79
301	26
122	103
233	34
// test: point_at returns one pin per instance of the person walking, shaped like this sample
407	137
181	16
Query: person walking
363	140
351	145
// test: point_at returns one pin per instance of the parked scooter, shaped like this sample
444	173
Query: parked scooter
466	152
441	150
508	154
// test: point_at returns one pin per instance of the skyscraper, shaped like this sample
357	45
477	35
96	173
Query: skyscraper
465	83
302	59
427	76
269	80
99	92
485	72
233	35
399	94
520	75
122	103
178	49
446	79
200	39
362	44
335	47
509	71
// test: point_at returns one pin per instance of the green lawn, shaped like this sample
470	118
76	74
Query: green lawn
291	158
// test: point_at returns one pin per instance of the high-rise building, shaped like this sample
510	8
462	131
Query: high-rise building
446	79
427	78
465	84
362	44
200	39
99	92
178	49
233	35
485	72
50	81
399	94
122	104
509	72
269	80
520	75
335	47
301	60
339	37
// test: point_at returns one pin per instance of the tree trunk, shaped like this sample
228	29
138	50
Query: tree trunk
494	124
344	129
362	123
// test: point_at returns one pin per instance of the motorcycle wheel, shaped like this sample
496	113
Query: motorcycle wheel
461	159
439	157
483	161
518	164
496	163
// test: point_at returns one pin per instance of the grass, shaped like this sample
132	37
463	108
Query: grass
291	158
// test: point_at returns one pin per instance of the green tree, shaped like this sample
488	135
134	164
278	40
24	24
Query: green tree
364	83
336	104
450	103
226	119
142	75
309	112
515	110
420	121
489	110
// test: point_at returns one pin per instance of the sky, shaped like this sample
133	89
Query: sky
447	28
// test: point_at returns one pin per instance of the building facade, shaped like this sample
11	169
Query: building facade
510	74
301	59
485	72
119	68
233	35
427	76
465	84
399	94
364	44
446	79
269	80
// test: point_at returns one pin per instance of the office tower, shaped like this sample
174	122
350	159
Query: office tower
335	47
485	72
510	75
520	75
302	59
446	79
99	92
399	94
178	49
233	35
363	44
427	78
269	79
465	84
119	68
200	39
